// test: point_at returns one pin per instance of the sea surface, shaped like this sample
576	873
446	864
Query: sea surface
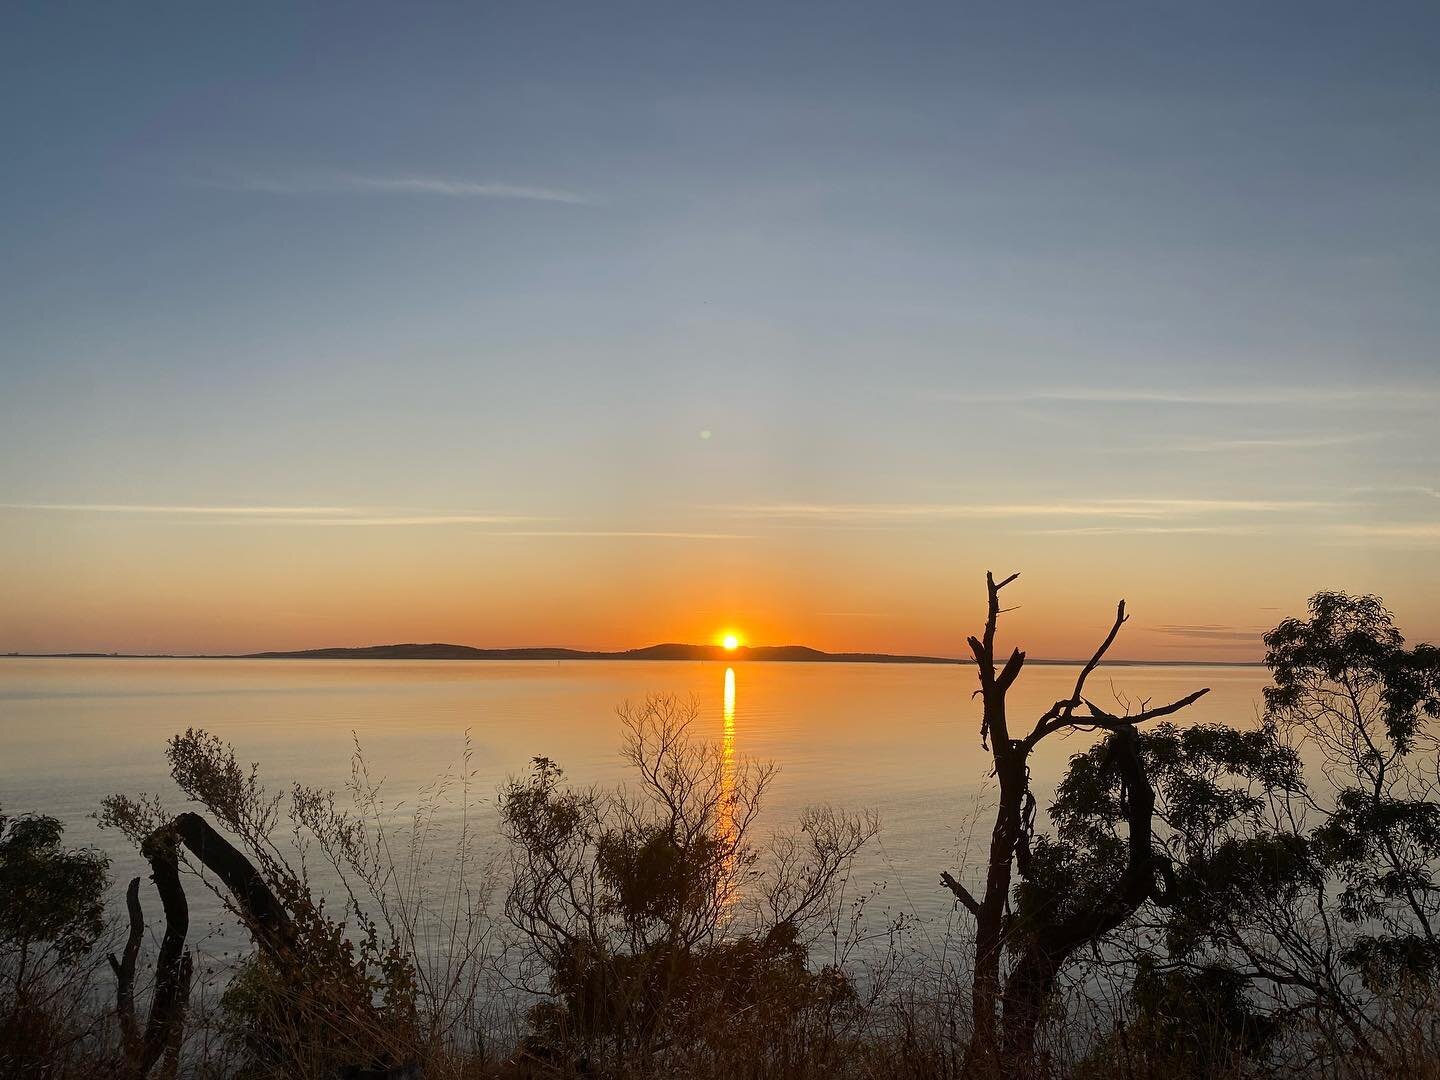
902	740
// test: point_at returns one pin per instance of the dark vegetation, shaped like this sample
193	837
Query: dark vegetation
1205	901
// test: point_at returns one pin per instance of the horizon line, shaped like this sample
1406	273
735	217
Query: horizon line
600	655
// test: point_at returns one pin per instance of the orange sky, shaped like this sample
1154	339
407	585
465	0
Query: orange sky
175	582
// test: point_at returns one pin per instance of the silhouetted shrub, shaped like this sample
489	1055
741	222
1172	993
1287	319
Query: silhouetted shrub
655	923
51	917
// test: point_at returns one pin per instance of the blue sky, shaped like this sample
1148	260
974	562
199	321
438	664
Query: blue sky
1110	286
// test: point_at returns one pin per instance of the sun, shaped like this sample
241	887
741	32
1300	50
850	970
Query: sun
731	642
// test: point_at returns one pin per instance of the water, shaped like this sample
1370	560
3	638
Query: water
902	740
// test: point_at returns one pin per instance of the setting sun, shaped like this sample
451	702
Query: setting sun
731	642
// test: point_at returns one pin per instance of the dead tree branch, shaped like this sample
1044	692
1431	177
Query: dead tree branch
264	915
124	969
1110	722
173	967
961	893
1032	979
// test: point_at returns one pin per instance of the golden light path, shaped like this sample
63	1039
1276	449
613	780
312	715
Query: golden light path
729	740
727	758
726	817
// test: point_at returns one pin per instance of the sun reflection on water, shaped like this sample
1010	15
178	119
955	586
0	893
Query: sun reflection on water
727	759
725	823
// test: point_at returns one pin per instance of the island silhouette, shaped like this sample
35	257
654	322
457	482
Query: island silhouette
665	651
439	650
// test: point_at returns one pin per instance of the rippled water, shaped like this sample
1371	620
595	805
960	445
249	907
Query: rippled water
900	739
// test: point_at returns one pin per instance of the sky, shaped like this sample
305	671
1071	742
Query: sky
606	324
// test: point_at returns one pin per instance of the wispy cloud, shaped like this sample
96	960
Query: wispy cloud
383	521
1403	396
637	533
357	517
356	183
1296	442
279	515
1209	632
1123	508
1250	646
1390	530
151	508
1396	489
441	520
1151	530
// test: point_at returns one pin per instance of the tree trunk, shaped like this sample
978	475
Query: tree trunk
983	1054
124	969
1032	981
173	967
264	914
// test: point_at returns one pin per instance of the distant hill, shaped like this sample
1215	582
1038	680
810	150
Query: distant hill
668	651
795	654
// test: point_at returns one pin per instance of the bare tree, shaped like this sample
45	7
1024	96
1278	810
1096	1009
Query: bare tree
658	930
1004	1022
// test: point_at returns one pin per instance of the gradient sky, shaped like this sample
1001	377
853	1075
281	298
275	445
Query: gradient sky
604	324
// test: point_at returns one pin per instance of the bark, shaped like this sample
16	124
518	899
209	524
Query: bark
124	969
990	921
265	916
173	967
1010	769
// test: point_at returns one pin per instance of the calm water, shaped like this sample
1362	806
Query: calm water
902	740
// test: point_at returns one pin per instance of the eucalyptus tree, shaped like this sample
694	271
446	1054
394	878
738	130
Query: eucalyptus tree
1321	897
1347	687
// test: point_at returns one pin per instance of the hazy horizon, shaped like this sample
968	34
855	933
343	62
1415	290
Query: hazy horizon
738	655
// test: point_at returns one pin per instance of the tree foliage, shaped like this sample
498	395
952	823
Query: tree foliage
1346	686
1317	886
1212	786
51	897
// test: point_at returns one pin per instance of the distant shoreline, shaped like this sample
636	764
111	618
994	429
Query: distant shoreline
793	654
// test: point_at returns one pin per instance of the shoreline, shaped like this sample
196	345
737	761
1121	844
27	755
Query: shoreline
837	658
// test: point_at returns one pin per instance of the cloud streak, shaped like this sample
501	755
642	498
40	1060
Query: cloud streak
150	508
445	187
1152	530
637	533
1297	442
1121	508
278	515
355	517
1390	530
1212	632
1229	397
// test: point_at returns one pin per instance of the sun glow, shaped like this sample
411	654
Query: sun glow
731	642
